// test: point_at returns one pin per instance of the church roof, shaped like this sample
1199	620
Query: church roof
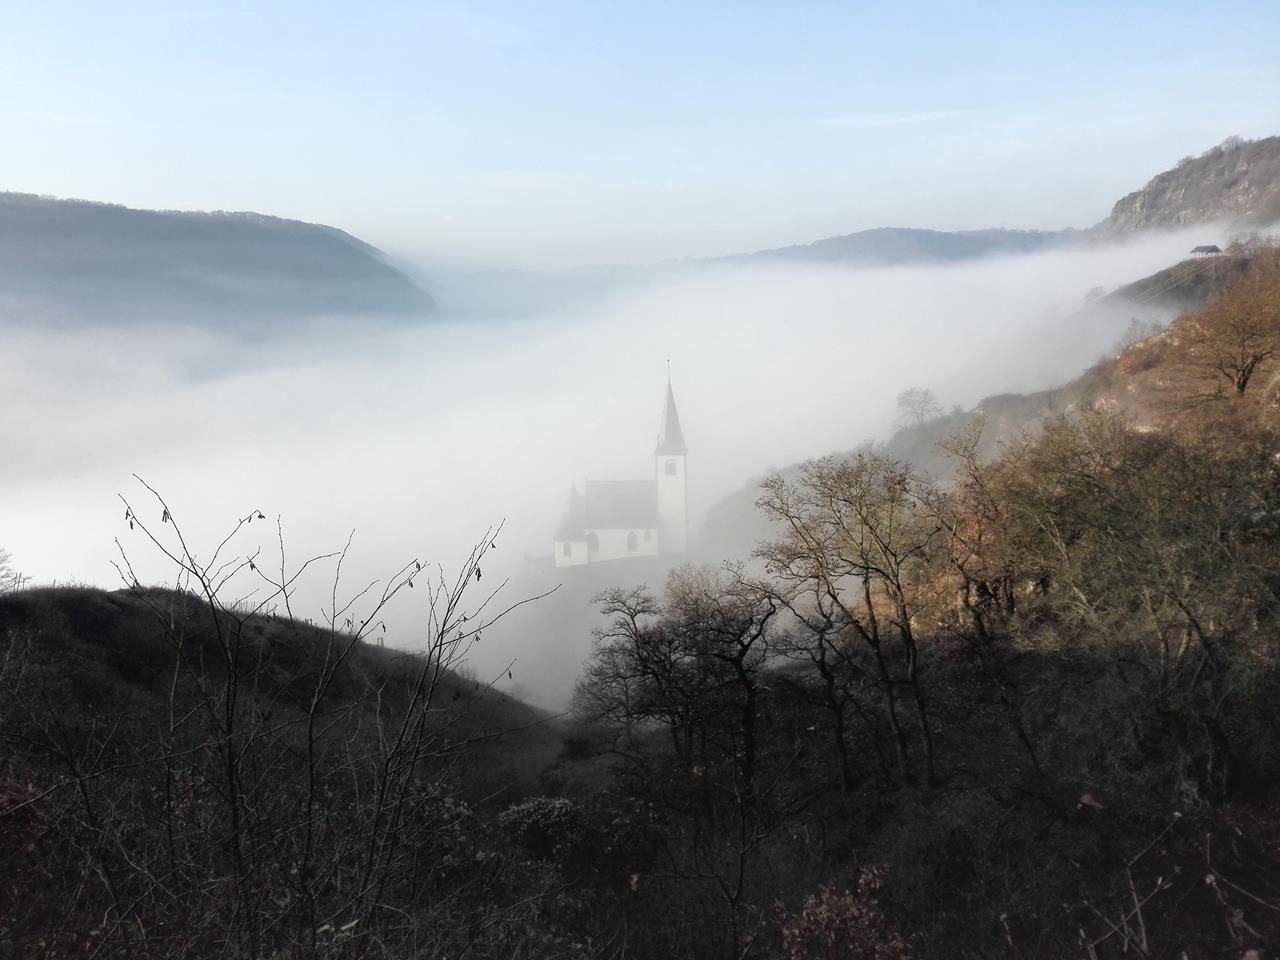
609	505
671	437
621	505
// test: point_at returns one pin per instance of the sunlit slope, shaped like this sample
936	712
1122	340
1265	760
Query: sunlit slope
734	526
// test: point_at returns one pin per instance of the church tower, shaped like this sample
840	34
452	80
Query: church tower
671	479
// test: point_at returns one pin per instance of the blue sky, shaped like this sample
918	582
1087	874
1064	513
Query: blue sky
563	133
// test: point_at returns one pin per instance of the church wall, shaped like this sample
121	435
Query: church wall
612	544
577	553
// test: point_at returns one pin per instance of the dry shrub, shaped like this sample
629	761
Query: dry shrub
842	925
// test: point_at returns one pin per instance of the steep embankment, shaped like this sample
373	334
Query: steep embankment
1237	181
76	259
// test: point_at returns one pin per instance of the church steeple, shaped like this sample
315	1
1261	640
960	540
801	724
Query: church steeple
671	437
669	462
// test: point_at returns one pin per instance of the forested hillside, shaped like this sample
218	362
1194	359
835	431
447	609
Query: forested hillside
1028	712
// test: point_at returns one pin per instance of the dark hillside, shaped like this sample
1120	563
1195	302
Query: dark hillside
97	260
110	654
181	772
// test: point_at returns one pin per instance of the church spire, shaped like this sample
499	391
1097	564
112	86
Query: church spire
671	437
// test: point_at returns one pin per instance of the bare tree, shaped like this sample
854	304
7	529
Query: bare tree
1135	332
10	577
1238	334
916	406
687	662
685	676
856	536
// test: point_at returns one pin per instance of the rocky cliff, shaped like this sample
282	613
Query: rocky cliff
1236	181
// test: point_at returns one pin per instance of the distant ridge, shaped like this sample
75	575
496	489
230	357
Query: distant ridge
83	258
903	245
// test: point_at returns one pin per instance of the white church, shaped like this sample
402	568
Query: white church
616	519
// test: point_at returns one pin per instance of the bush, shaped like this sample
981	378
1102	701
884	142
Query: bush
842	925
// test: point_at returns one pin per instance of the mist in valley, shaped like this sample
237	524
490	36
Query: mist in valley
419	436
